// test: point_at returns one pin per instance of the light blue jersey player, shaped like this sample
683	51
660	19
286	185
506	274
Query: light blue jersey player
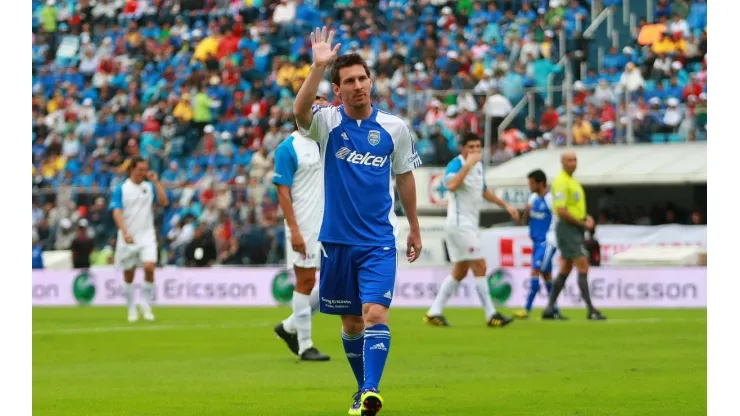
300	188
361	148
132	206
539	213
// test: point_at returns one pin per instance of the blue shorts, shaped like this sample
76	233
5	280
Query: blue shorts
351	276
542	254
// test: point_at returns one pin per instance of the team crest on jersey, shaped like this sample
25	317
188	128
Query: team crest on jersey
373	137
576	196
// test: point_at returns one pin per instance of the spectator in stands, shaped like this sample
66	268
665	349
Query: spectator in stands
82	246
583	131
497	107
631	79
678	24
206	85
697	218
37	253
201	250
502	153
603	94
550	119
672	116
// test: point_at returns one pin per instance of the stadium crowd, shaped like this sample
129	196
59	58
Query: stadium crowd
202	89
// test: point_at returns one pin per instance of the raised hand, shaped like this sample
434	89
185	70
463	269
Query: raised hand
323	52
473	158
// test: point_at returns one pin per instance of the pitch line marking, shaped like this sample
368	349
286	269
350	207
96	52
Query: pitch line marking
142	326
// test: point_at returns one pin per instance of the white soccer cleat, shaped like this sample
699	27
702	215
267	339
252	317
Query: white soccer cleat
133	315
146	312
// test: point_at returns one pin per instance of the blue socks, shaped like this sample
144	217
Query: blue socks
377	345
534	289
353	348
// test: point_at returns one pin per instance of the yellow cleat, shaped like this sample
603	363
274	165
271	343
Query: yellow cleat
436	320
499	320
356	408
371	403
521	314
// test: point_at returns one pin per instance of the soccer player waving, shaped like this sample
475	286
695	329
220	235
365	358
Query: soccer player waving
132	205
464	180
361	148
300	183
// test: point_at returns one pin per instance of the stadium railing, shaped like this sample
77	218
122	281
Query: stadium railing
632	122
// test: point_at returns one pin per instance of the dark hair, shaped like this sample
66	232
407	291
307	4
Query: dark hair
470	137
135	160
538	176
344	61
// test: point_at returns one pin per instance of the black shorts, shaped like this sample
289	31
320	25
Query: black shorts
570	240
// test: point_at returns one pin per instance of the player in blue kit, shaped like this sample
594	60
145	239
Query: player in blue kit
539	213
361	148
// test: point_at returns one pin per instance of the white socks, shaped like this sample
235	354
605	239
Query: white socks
128	294
302	320
304	306
314	298
147	296
481	286
448	287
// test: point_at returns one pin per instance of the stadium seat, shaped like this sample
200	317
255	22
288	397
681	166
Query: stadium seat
251	91
675	138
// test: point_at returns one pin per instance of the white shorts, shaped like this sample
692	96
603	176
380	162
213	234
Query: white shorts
463	244
130	256
312	260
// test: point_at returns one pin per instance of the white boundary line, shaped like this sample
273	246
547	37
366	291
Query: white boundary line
143	326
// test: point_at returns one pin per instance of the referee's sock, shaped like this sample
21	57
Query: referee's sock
585	293
557	287
548	286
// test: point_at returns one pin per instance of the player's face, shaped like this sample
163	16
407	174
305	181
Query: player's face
533	185
321	101
138	173
354	86
473	146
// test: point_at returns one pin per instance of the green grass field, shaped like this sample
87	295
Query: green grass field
90	361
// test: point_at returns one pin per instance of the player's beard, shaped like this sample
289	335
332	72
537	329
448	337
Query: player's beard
360	100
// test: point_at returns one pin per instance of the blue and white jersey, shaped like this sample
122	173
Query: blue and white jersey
360	157
298	166
136	202
463	205
540	216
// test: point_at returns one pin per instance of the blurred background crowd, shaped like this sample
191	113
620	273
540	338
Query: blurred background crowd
203	89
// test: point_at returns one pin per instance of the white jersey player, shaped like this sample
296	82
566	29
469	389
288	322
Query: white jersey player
299	177
132	204
467	190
